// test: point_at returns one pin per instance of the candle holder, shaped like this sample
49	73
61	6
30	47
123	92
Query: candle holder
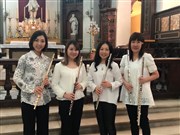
18	34
48	28
93	31
9	28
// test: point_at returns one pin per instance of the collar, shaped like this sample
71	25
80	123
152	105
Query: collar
34	55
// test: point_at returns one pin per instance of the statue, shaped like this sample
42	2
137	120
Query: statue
32	8
74	24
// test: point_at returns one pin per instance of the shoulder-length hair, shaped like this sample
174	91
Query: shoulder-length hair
76	45
97	58
34	37
139	37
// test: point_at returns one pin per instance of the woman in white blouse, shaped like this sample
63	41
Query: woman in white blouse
63	84
106	88
131	69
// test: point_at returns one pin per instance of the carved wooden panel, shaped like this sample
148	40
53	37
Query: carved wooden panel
104	4
108	25
167	25
148	10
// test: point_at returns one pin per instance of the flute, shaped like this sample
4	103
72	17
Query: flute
140	94
39	96
104	77
74	90
130	92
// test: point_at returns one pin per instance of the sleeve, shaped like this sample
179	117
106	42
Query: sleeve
117	77
91	83
55	81
18	76
84	77
151	66
122	64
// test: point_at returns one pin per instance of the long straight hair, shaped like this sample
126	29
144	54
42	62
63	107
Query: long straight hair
77	59
139	37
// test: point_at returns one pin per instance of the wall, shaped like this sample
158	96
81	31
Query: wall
93	8
166	4
123	21
135	23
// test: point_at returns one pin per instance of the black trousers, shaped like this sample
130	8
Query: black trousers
144	121
105	115
29	117
70	124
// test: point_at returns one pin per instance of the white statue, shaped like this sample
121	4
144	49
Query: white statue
74	24
32	8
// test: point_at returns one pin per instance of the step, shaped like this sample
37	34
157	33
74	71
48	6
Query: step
167	130
13	115
165	113
89	125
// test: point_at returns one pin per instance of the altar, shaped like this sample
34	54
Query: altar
17	48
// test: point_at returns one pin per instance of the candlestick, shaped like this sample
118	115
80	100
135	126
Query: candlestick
17	13
41	15
24	13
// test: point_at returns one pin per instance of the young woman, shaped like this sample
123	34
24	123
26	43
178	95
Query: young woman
64	83
132	69
29	76
107	88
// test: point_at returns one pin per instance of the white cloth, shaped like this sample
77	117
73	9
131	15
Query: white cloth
64	78
109	95
135	68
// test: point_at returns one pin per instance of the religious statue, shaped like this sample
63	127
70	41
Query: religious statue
32	8
74	24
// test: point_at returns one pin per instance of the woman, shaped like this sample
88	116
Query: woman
30	77
132	67
107	88
64	82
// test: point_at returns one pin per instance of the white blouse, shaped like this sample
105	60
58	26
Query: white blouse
109	95
64	78
135	68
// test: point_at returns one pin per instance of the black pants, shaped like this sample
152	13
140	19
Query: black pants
29	116
105	114
70	124
144	121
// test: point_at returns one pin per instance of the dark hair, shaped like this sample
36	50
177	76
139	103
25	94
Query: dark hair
139	37
97	58
34	37
76	45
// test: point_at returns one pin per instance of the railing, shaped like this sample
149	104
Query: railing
167	86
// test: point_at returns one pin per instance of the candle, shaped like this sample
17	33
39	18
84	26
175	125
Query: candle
48	14
55	15
9	14
17	13
41	15
24	13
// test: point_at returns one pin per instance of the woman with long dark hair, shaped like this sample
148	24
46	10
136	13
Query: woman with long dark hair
105	88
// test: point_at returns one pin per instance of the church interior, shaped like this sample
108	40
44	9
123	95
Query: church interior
89	22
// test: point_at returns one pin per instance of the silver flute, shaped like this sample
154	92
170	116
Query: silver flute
104	77
129	92
140	94
72	101
39	96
